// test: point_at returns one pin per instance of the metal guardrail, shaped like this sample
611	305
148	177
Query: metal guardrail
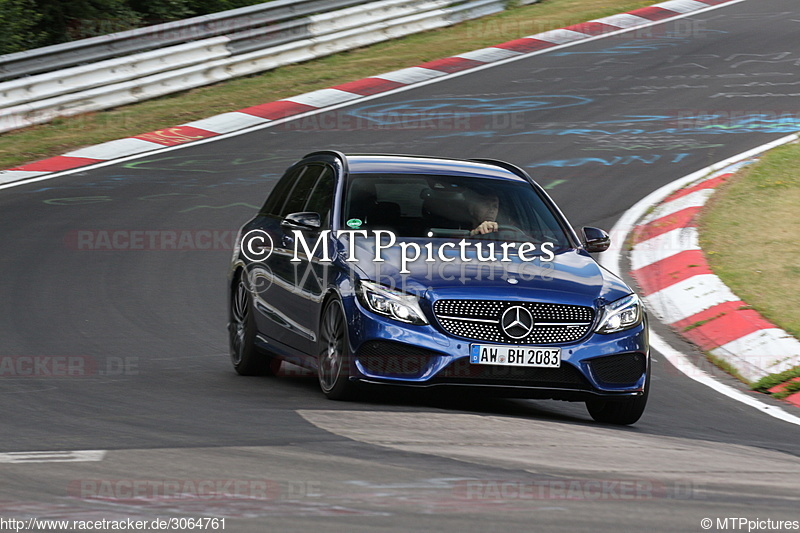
261	19
135	77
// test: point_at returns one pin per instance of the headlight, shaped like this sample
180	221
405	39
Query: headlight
623	314
390	303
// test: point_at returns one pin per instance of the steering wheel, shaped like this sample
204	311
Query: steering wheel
504	230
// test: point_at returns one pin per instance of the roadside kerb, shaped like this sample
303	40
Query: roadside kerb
679	288
637	218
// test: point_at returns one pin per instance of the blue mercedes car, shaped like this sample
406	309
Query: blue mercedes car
434	272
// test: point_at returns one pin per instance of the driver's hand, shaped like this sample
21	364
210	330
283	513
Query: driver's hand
487	226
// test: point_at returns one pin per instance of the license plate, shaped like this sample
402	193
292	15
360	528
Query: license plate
510	355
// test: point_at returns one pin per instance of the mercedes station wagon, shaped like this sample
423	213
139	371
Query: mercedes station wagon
425	272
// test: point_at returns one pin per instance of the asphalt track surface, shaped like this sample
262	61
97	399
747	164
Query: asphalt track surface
601	124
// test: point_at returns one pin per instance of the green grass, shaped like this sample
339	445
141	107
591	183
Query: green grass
65	134
787	391
727	367
767	382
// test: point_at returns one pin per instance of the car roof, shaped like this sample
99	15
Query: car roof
406	164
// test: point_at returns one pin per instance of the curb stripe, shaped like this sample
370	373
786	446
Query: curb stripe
176	135
323	98
672	270
592	28
489	55
782	386
10	176
721	324
525	45
453	64
762	350
227	122
368	86
277	110
54	164
410	75
687	298
652	13
118	148
710	183
794	399
664	246
712	313
560	36
695	199
681	219
623	20
682	6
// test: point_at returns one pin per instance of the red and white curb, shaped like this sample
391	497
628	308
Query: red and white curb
612	260
681	290
265	114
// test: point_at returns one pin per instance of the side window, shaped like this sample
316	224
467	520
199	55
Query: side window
277	198
299	194
321	197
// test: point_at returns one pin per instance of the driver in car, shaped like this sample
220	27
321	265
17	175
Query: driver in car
483	210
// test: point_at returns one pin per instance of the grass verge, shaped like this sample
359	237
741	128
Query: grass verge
767	382
65	134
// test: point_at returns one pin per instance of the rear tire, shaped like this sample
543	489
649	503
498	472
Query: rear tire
621	412
333	360
246	357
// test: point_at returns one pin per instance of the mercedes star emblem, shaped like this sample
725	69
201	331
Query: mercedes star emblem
517	322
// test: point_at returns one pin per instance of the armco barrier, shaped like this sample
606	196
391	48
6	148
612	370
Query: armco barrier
110	83
85	77
241	20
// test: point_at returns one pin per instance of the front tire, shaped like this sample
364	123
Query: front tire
621	412
333	360
246	357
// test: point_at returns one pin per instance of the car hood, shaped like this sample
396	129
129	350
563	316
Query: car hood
571	277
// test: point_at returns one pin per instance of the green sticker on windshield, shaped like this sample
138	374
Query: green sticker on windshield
354	223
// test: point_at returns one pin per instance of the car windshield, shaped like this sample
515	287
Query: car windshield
418	205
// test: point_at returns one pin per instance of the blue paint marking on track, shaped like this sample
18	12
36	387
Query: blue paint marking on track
638	46
649	42
702	124
441	108
612	161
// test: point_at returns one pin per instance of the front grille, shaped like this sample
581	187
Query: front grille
481	320
462	371
392	359
619	369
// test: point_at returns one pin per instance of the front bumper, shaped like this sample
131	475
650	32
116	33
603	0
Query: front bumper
597	366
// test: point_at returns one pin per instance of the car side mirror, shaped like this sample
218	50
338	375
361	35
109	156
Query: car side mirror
304	221
595	240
